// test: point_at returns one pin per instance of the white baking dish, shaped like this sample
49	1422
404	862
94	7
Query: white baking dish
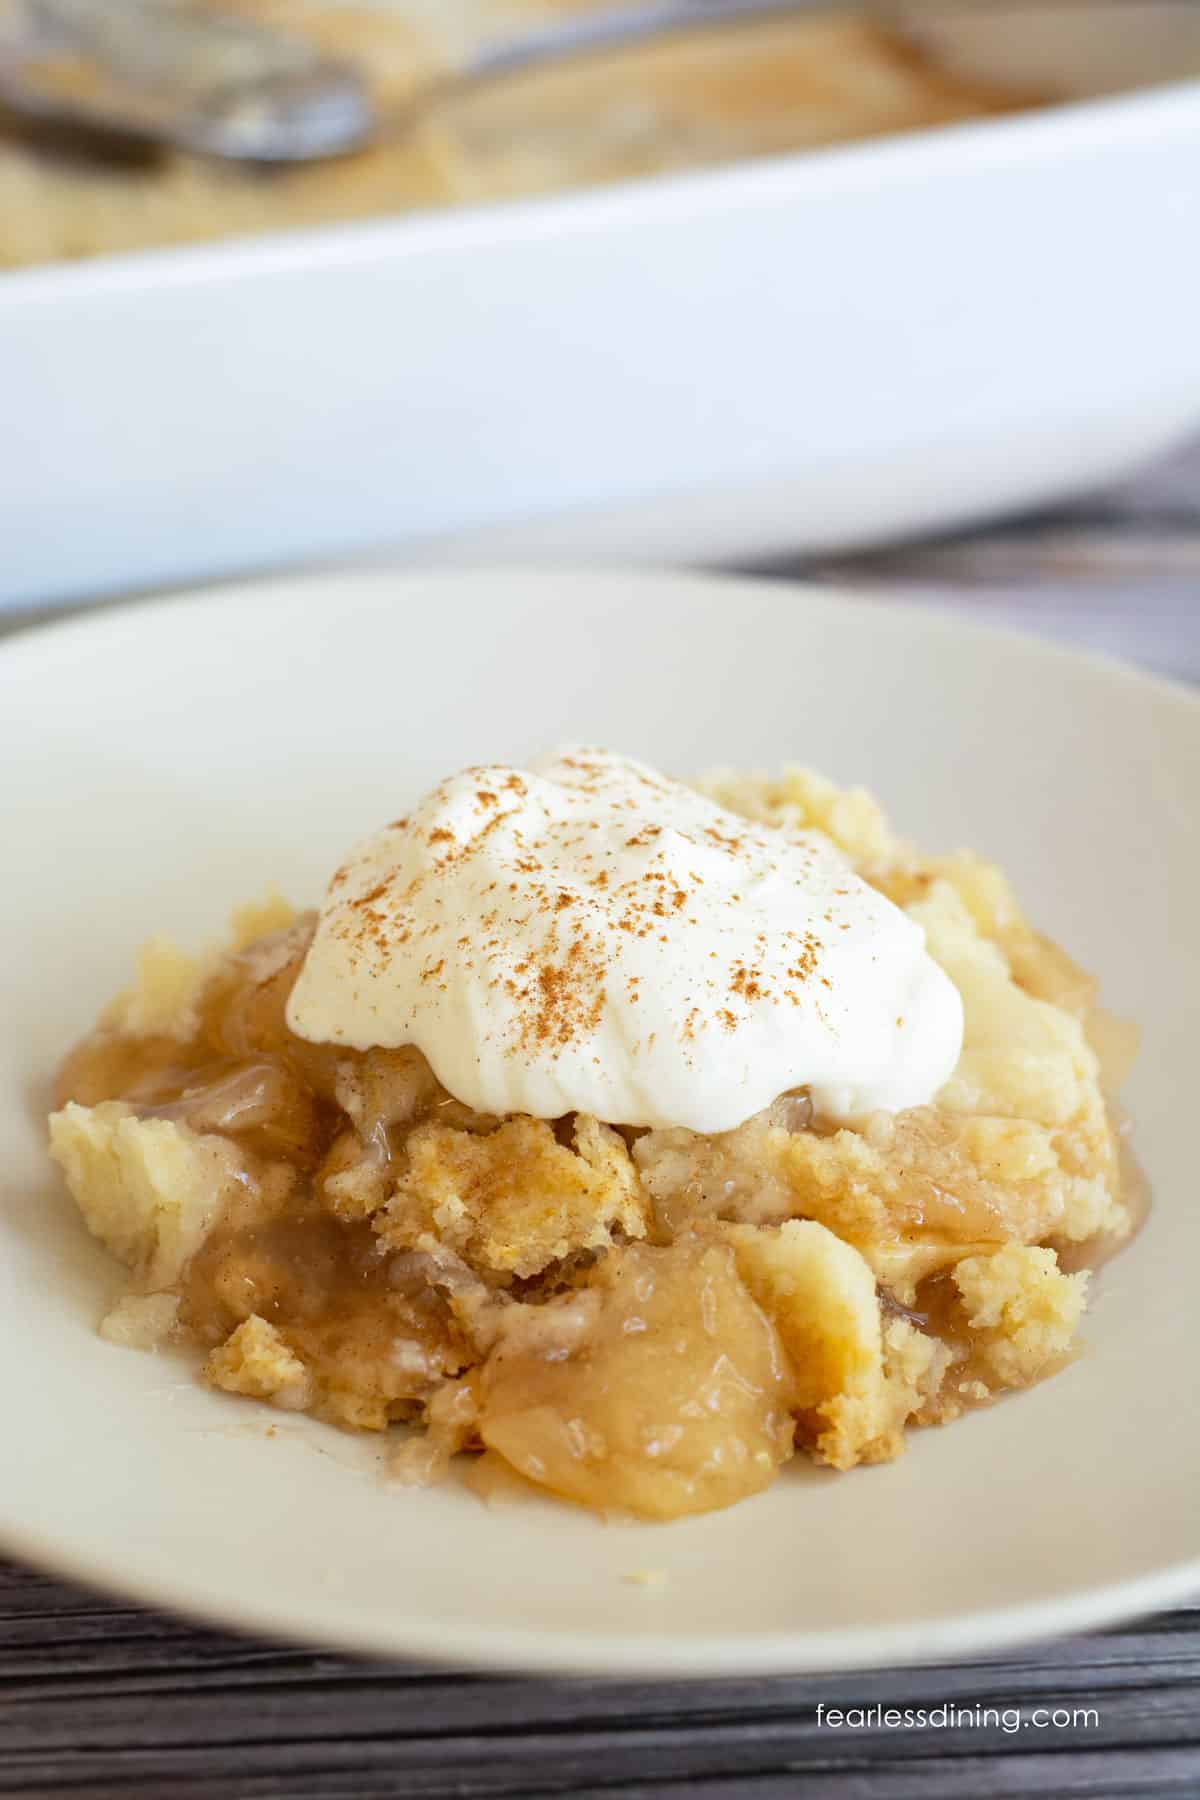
811	352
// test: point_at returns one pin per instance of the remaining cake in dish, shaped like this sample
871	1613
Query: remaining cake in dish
701	98
633	1136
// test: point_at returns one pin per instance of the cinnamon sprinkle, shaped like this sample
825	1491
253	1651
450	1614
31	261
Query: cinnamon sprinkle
559	994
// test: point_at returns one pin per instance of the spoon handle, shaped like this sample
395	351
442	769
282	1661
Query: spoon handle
613	27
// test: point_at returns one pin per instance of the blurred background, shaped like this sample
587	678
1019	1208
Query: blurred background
763	291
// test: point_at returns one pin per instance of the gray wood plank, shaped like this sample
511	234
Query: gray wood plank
136	1703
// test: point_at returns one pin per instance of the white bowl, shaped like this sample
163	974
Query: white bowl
798	354
176	758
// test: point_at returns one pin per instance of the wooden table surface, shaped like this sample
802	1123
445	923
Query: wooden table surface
99	1699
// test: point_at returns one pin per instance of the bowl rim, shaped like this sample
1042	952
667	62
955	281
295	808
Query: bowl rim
664	1656
32	635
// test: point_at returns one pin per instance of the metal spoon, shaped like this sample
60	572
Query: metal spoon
170	74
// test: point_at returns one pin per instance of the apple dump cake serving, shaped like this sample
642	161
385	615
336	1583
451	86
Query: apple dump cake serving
630	1136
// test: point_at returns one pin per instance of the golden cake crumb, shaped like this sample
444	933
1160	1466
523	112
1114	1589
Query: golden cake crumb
256	1360
516	1200
149	1189
1022	1309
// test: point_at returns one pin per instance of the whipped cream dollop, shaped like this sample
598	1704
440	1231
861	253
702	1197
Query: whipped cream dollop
590	936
